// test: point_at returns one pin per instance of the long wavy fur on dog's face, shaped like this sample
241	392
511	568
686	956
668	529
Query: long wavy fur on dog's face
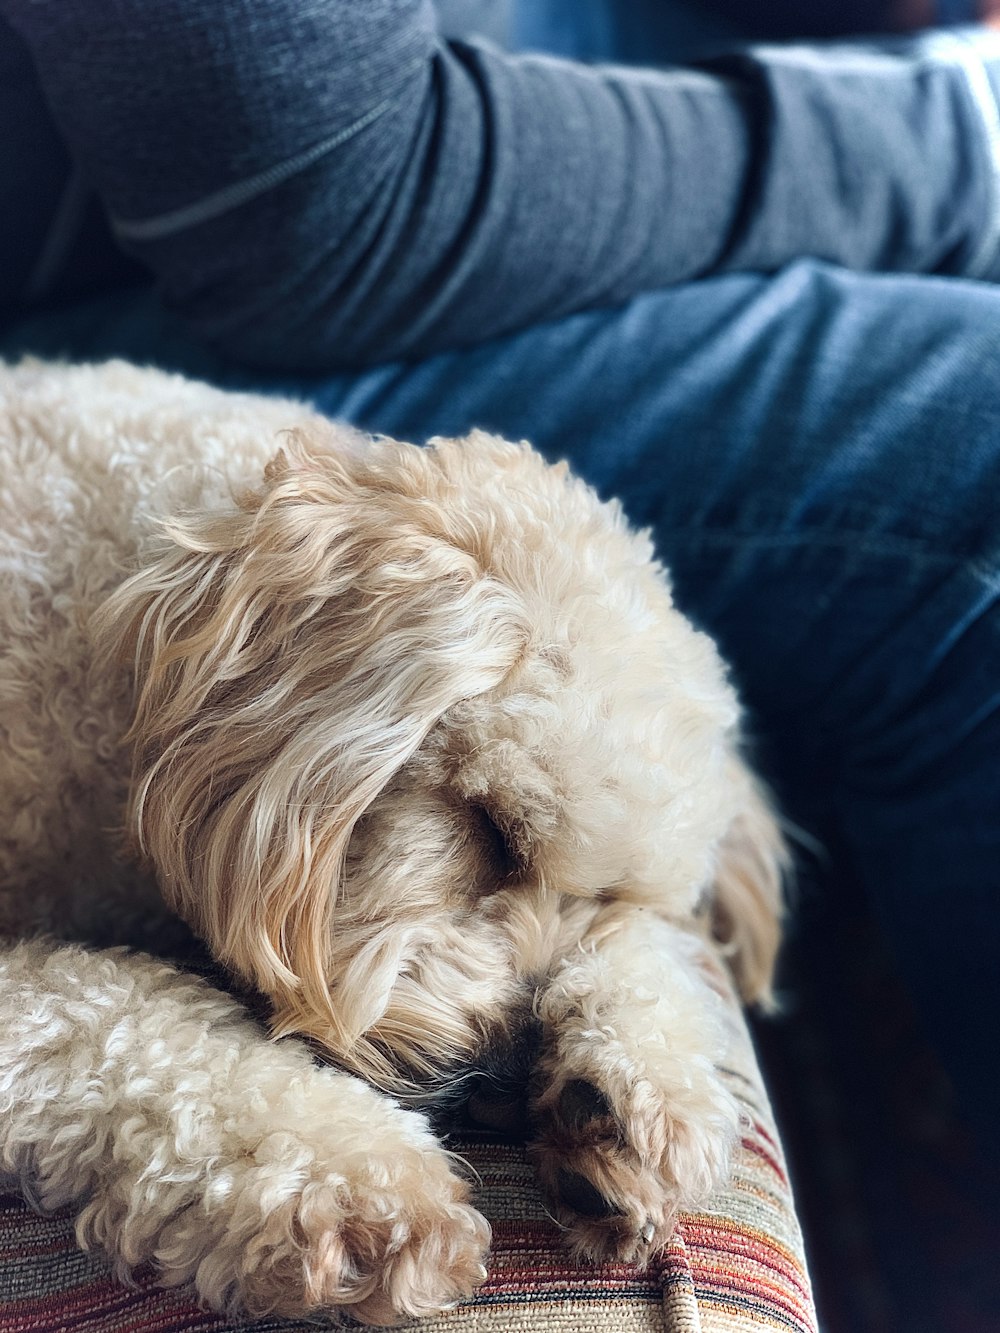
406	721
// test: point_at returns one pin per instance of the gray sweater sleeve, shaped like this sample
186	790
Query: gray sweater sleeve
324	183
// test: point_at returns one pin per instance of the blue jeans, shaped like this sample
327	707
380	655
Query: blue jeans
818	453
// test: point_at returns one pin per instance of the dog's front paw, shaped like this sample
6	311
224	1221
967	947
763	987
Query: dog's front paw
620	1155
396	1240
380	1229
310	1192
633	1120
226	1162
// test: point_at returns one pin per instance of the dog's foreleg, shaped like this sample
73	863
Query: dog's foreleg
634	1120
186	1139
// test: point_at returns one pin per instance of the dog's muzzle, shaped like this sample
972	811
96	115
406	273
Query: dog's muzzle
492	1091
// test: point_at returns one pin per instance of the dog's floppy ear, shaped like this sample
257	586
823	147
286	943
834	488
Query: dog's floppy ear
290	656
747	896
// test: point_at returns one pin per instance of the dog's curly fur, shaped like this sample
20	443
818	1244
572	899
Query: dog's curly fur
416	741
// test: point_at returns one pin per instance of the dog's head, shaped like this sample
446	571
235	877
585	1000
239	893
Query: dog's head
405	719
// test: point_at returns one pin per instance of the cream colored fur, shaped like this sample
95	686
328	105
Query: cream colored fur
416	741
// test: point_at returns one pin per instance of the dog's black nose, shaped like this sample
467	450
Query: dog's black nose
493	1108
499	1098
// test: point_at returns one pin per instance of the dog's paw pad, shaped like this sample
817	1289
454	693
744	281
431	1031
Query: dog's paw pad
582	1196
612	1202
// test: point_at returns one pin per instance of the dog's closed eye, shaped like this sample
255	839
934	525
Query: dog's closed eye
497	846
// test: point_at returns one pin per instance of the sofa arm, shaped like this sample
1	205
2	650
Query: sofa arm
737	1264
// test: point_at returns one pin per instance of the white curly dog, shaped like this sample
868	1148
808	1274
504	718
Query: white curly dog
416	742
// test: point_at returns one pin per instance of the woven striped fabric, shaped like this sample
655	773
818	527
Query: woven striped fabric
739	1265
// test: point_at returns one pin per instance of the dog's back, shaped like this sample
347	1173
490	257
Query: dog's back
93	457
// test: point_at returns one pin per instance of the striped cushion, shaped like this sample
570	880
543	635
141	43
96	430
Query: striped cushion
736	1266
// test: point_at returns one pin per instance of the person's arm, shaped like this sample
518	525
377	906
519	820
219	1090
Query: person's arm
320	183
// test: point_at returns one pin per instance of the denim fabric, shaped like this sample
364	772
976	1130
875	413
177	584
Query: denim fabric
818	454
